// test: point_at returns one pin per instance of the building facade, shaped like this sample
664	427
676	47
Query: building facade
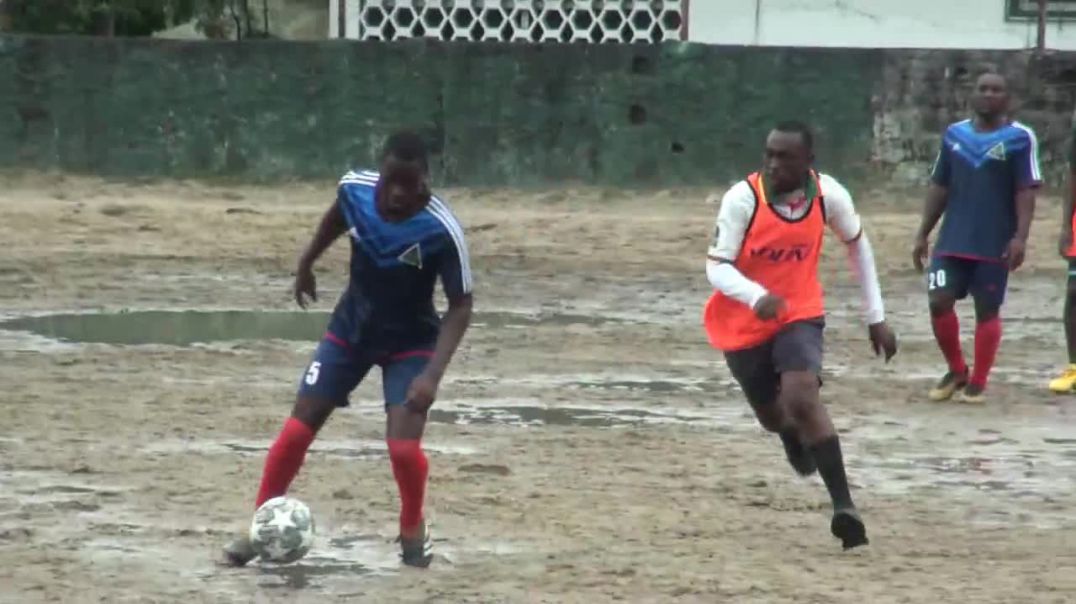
971	24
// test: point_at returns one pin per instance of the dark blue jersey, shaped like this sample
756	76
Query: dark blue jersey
388	305
982	172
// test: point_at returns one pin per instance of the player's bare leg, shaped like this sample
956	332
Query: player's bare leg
410	467
285	457
773	418
987	340
947	333
800	398
1066	382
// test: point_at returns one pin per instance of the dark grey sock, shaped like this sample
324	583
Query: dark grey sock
827	455
1070	325
790	438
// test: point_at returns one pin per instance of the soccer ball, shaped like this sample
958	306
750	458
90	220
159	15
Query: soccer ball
282	530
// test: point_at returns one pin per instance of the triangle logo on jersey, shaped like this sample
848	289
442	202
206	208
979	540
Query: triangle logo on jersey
997	152
412	256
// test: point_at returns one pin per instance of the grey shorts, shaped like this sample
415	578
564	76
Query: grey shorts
797	347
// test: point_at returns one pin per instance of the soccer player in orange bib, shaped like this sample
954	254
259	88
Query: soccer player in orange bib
767	313
1066	382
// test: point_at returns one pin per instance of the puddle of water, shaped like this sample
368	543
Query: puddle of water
177	328
533	413
361	449
350	556
997	476
33	486
502	319
651	386
187	327
613	382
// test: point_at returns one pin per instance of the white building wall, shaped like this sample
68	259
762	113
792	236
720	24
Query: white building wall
967	24
351	18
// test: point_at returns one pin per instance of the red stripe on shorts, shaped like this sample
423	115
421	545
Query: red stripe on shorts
335	339
971	257
399	356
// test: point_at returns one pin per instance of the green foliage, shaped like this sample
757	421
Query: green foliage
122	17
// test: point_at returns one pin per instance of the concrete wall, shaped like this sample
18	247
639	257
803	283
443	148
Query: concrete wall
495	114
978	24
525	114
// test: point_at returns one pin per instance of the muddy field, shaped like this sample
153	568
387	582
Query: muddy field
588	446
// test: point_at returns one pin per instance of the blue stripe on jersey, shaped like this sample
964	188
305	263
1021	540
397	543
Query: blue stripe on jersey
384	242
982	172
388	305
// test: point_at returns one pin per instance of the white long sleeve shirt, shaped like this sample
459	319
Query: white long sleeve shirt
737	207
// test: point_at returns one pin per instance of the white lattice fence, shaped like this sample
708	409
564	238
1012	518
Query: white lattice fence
645	21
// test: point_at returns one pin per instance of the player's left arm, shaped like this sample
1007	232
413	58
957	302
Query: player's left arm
454	268
1028	180
846	224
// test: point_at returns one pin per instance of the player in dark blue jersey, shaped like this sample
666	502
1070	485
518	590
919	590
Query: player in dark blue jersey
403	239
984	182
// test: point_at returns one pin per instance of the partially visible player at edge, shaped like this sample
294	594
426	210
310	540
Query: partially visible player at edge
1066	382
402	239
767	313
984	182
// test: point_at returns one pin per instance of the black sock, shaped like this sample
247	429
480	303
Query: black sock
791	438
1070	325
827	455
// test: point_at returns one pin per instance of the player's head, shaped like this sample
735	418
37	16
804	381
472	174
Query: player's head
403	191
789	155
991	96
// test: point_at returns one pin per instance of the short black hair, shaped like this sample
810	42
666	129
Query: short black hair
797	127
407	146
992	72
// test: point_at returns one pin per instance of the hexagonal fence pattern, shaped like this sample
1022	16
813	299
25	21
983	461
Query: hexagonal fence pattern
628	21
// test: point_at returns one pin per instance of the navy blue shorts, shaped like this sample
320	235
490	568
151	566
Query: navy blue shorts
985	280
337	369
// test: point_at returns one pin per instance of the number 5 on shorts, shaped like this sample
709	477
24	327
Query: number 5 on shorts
313	373
937	279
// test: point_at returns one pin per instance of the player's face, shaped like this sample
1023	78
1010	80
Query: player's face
991	97
403	191
787	161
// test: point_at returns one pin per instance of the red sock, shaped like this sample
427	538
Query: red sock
284	460
411	468
947	333
987	340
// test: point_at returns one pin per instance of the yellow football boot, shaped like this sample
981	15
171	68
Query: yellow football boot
1066	383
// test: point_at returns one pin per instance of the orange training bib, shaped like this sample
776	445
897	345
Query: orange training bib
781	255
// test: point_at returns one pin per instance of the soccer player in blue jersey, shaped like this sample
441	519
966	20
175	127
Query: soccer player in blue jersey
984	182
402	240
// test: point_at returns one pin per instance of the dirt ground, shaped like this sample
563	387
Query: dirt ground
588	445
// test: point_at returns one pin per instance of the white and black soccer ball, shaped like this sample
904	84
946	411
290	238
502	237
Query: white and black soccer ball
282	530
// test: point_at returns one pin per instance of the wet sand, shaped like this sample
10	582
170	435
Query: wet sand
588	445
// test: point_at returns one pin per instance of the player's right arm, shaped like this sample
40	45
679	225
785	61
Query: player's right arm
937	196
733	219
332	226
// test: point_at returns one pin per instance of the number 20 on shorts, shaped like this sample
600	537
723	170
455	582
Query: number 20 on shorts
936	279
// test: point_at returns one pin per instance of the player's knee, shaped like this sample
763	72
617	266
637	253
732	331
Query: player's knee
312	411
941	304
986	311
799	395
770	416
